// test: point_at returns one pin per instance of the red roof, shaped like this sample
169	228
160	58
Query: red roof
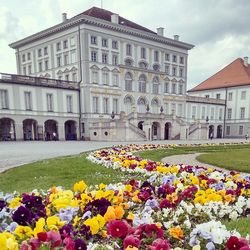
234	74
106	15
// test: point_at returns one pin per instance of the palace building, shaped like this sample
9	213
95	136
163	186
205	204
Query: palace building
99	76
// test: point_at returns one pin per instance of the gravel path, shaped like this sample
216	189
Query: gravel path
188	159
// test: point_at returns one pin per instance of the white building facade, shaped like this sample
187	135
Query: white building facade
131	80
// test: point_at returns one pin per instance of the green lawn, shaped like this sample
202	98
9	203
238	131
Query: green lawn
63	171
242	225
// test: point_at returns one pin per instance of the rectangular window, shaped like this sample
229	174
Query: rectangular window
156	56
94	76
66	59
217	96
115	105
174	71
230	96
166	57
243	95
206	96
105	78
114	60
93	40
180	89
166	87
104	42
39	52
143	53
40	66
173	88
73	56
227	130
181	72
114	45
4	99
193	112
50	102
203	113
93	56
179	110
173	108
24	70
69	104
58	59
220	114
74	77
28	55
23	57
83	128
27	99
105	105
240	130
72	41
128	50
29	69
46	64
167	69
155	88
166	107
212	114
65	44
95	104
242	113
67	77
58	46
229	114
45	51
115	80
181	60
105	58
174	58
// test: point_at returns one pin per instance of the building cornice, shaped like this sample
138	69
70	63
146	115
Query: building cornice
81	19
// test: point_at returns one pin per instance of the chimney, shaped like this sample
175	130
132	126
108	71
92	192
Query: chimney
246	61
160	31
64	17
176	37
115	18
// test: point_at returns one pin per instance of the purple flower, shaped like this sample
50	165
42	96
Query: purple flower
85	232
22	216
210	246
2	204
80	244
31	201
66	230
152	203
98	206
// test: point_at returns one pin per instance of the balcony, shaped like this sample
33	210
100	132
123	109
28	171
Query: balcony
37	81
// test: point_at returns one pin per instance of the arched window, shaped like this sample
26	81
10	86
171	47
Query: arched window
155	85
155	106
142	83
128	81
142	105
128	102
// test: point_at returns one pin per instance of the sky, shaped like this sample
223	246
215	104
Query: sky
219	29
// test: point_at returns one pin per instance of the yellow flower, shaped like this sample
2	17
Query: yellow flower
54	223
102	186
96	223
80	186
23	232
131	248
15	202
114	213
176	232
128	188
39	226
197	247
130	216
8	242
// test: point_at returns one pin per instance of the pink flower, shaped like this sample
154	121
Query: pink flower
54	238
132	241
159	244
69	243
235	243
118	228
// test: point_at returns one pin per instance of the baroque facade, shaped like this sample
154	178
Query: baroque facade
110	78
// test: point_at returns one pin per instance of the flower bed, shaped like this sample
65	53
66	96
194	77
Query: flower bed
170	207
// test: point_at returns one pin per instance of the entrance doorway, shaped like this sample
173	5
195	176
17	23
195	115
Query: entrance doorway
30	130
51	131
155	131
7	129
211	132
70	130
219	131
167	131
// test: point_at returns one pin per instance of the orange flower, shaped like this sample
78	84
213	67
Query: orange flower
114	213
176	233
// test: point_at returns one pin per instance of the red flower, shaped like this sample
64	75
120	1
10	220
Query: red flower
235	243
161	244
42	236
118	228
152	230
132	241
